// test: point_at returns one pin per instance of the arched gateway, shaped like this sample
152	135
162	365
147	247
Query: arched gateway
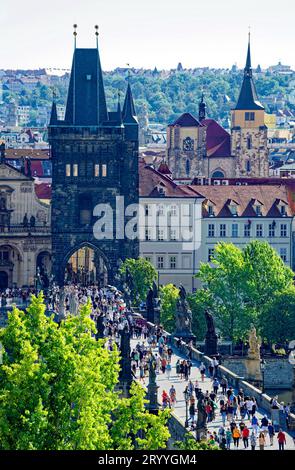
94	156
86	265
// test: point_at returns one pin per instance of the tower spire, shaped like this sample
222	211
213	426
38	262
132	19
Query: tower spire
248	98
86	103
53	115
202	108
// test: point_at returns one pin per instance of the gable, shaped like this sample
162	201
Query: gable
7	172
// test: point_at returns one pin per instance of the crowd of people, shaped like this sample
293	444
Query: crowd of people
237	411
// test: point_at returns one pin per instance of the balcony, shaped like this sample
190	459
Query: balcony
20	229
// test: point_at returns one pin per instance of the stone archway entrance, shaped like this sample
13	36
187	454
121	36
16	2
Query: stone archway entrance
86	266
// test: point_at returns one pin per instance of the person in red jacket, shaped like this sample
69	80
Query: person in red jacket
281	440
245	436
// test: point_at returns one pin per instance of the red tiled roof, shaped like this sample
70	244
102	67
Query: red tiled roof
164	169
244	196
186	120
218	139
43	190
150	180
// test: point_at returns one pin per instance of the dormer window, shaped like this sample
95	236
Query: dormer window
257	206
283	210
233	207
210	211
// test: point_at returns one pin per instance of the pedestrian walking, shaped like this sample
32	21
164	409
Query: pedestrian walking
253	440
202	369
261	440
281	439
245	436
236	437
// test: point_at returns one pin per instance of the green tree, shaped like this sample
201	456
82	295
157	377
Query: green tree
198	302
190	443
57	387
169	295
143	274
277	324
240	284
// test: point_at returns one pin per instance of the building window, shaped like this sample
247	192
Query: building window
173	235
211	230
148	258
283	254
259	230
172	262
146	209
187	167
75	169
210	254
258	210
249	143
161	210
160	262
271	230
68	170
96	170
283	230
210	211
160	234
248	166
249	116
148	234
283	210
173	211
247	230
234	230
222	230
103	170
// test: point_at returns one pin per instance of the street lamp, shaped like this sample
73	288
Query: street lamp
186	398
262	368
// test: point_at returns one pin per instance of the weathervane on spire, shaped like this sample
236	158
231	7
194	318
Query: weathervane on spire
96	27
75	26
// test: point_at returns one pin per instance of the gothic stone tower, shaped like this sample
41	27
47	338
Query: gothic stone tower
95	159
249	133
186	147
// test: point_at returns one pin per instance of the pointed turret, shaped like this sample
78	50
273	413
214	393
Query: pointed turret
119	110
248	99
53	115
202	109
129	114
86	103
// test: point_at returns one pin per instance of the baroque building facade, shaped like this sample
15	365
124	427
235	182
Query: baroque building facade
202	148
94	162
25	232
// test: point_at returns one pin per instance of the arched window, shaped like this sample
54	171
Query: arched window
248	166
217	174
187	167
249	142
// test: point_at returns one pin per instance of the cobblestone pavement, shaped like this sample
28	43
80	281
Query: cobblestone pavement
179	409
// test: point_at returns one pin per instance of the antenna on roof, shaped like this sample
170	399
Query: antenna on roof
75	26
96	34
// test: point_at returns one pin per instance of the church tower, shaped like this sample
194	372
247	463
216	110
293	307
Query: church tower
94	160
249	132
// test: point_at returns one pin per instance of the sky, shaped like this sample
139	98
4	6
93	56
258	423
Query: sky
147	33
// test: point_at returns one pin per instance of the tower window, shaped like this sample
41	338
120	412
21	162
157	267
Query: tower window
68	170
104	170
249	116
249	143
96	170
248	165
75	169
187	167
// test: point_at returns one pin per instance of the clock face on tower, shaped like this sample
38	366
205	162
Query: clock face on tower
188	144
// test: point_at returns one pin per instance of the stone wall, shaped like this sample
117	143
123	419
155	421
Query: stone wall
278	372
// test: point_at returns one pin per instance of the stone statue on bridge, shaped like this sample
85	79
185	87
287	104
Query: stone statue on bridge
254	344
211	336
153	307
183	317
201	428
